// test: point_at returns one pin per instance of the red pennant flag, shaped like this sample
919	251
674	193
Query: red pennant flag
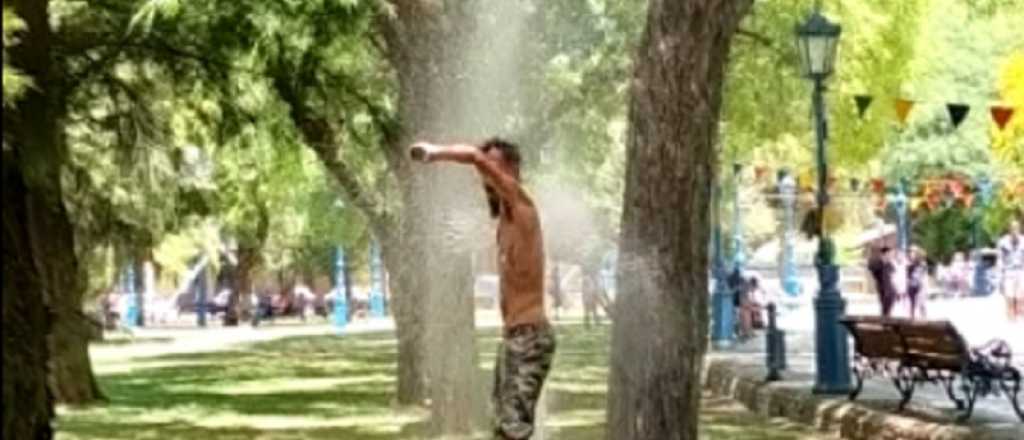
903	107
1002	115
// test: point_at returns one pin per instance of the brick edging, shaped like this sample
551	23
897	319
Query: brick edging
848	420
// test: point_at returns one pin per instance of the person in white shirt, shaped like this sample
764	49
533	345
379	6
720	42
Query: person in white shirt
1011	255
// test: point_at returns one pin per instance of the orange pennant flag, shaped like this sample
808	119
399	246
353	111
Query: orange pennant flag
903	107
1002	115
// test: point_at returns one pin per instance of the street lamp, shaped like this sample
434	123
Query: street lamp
721	298
817	39
787	190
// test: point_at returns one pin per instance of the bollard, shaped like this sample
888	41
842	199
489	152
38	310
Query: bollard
775	343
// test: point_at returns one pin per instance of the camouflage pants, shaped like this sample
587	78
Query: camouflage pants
524	359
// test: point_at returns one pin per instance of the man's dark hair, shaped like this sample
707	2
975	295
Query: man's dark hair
509	151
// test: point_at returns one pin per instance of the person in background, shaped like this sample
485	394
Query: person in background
751	307
959	276
303	299
880	266
917	282
591	297
555	290
899	278
1011	254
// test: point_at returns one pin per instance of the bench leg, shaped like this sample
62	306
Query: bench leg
947	382
904	381
859	374
972	389
1011	387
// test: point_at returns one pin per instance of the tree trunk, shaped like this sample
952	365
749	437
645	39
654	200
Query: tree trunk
407	312
426	45
239	307
32	206
71	372
660	331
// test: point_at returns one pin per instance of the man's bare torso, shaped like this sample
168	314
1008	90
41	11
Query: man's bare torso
521	264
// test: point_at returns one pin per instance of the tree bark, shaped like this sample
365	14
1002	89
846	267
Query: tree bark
32	207
426	42
660	331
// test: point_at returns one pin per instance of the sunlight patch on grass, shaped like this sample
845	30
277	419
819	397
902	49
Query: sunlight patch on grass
285	385
379	422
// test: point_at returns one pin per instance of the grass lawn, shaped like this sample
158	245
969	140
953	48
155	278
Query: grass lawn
339	387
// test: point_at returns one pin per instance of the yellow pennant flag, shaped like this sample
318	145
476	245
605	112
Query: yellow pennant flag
903	107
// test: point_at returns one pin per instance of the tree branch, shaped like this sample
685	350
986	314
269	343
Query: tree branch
756	37
318	134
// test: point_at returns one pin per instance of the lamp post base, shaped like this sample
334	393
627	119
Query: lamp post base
722	320
832	356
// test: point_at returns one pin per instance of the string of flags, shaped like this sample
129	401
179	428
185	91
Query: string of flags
957	111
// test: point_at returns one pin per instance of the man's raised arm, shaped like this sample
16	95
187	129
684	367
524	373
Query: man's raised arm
506	185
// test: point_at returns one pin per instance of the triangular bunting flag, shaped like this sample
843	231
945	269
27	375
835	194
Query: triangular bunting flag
1002	115
957	113
903	107
863	102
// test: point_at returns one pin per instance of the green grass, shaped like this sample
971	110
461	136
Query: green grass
340	387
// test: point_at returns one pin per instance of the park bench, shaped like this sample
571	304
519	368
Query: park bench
911	353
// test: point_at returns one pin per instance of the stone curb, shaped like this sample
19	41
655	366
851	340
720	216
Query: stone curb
848	420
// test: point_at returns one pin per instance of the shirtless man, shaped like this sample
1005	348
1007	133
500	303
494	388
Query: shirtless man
528	343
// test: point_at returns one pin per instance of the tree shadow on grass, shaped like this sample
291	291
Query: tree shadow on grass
330	387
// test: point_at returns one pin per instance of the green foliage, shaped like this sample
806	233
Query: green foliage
15	83
943	232
767	101
954	65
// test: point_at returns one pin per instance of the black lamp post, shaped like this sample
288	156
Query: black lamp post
817	39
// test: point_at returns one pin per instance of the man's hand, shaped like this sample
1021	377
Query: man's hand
423	151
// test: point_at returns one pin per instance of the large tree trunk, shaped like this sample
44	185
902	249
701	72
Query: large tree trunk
32	208
71	372
426	44
407	310
28	403
660	331
239	307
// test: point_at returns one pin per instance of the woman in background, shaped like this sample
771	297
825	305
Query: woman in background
917	282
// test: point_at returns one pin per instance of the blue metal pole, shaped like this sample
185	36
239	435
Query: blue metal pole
201	295
722	332
376	281
340	289
903	215
790	282
982	287
130	318
831	345
739	256
899	203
